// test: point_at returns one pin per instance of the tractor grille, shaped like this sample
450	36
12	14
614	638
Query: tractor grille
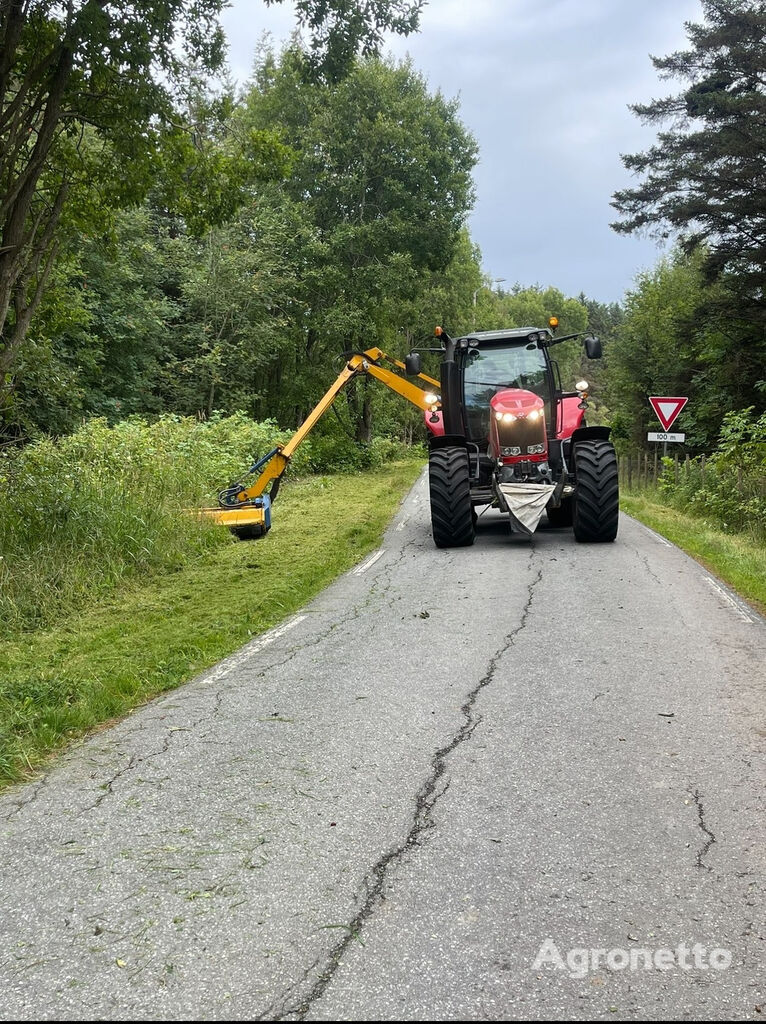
524	434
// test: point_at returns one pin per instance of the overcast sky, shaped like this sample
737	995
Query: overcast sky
544	86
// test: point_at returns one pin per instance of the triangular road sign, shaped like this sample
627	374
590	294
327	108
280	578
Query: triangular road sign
667	409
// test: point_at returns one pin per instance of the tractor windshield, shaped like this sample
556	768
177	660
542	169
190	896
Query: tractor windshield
493	368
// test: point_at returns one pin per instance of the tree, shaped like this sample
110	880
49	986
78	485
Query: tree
99	101
677	338
382	174
652	350
236	288
341	29
86	92
706	175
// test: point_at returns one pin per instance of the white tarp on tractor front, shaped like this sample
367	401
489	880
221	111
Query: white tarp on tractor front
526	504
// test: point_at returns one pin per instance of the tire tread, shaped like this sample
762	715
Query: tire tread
597	500
452	518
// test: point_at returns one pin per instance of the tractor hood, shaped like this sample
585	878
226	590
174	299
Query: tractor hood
517	402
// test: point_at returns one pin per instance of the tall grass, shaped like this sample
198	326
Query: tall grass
80	514
732	498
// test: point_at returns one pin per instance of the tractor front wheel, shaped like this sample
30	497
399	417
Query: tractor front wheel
450	485
596	498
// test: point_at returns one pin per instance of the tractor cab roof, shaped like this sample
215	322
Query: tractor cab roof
507	334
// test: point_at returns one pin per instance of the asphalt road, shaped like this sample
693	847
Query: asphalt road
430	796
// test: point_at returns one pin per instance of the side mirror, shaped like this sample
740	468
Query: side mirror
412	364
593	347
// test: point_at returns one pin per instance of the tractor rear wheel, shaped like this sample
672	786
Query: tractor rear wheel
450	485
561	516
596	499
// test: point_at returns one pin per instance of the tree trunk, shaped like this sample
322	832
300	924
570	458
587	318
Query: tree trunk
363	426
26	236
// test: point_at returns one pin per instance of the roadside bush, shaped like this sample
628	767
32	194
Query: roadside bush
389	449
730	488
80	514
337	453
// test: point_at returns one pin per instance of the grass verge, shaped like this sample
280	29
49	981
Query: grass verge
737	559
60	682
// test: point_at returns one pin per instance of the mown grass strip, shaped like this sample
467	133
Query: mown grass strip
737	559
58	683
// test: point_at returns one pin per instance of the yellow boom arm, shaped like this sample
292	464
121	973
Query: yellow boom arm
243	511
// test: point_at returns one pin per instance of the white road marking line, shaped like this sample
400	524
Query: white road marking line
274	634
657	536
252	647
729	600
368	563
726	598
400	526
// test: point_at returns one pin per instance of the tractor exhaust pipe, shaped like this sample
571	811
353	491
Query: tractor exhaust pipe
452	411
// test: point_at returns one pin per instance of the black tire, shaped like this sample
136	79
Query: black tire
596	498
451	510
561	516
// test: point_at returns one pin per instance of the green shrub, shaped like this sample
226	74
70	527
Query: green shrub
80	514
337	453
730	491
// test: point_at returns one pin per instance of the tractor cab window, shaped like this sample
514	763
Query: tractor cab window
495	368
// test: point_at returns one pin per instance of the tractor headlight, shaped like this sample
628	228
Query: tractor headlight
508	417
535	449
511	451
535	414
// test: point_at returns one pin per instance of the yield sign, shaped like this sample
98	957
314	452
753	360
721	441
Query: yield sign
667	409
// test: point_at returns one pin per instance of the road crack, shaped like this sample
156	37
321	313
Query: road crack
19	805
431	790
133	762
702	852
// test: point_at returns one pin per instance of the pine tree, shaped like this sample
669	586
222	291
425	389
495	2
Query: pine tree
705	177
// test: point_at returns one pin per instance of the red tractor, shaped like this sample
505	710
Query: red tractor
506	434
502	432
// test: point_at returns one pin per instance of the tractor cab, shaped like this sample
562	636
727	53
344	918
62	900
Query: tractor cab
495	361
